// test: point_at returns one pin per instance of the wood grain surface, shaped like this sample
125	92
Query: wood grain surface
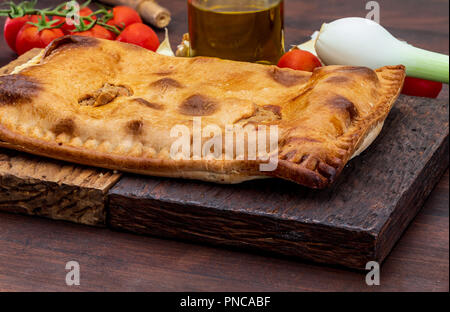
54	189
355	221
33	252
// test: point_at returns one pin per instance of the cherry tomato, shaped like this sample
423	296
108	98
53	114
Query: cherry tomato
97	32
66	28
299	60
421	87
124	16
141	35
29	37
13	26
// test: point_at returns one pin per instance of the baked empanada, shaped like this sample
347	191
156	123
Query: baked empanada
115	105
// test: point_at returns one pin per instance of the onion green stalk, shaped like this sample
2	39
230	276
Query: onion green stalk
362	42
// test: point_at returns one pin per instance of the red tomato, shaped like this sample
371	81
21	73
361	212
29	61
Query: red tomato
141	35
29	37
421	87
68	28
124	16
13	26
299	60
97	32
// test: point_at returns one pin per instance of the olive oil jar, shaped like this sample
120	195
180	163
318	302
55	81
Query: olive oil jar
240	30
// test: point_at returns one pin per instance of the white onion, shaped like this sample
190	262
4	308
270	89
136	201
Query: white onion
362	42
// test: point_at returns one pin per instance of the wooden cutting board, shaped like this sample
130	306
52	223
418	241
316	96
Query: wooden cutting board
62	191
358	220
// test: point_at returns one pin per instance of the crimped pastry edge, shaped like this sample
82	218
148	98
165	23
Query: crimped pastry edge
355	136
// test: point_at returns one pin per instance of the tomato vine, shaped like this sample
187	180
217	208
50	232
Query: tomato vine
99	17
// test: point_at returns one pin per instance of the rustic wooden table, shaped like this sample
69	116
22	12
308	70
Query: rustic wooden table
34	251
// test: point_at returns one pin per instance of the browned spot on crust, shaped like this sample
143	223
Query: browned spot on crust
310	163
105	95
344	74
78	41
132	47
289	155
166	83
326	170
135	126
201	59
294	172
343	103
164	73
15	89
364	72
64	126
304	158
337	123
148	104
198	105
274	109
286	77
267	115
116	56
337	79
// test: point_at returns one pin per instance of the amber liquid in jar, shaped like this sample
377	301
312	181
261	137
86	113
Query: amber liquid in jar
241	30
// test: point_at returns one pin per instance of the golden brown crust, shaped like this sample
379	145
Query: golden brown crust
112	105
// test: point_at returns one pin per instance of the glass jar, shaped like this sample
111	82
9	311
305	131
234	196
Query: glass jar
241	30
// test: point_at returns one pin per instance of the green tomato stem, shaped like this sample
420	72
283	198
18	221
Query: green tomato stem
86	22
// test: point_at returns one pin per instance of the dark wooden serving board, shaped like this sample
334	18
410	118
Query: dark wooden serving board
358	220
